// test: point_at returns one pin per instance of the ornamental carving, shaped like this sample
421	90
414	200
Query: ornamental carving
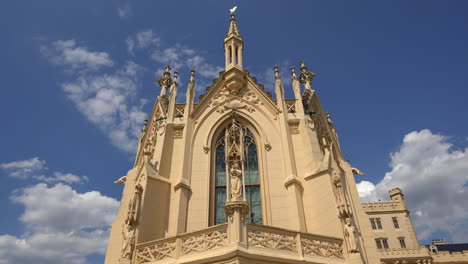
294	128
203	242
131	223
156	252
316	247
274	241
178	133
165	81
251	97
218	99
343	206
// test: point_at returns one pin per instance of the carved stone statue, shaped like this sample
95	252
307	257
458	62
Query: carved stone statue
236	184
134	206
338	187
350	236
129	241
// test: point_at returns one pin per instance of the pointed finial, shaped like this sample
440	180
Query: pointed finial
303	66
277	76
328	115
233	30
176	76
305	76
293	71
192	76
165	80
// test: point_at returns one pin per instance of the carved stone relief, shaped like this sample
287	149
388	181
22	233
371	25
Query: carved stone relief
251	97
178	133
294	128
131	223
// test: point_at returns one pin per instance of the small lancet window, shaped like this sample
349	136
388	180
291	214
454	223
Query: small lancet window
251	178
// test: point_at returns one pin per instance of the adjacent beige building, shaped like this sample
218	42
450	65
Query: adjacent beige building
241	178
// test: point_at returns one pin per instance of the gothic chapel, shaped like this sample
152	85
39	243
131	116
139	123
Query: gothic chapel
241	178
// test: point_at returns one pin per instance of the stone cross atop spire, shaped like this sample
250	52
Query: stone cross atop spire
233	44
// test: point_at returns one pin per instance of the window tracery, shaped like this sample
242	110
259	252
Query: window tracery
251	177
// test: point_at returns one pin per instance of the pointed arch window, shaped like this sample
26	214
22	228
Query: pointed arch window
251	178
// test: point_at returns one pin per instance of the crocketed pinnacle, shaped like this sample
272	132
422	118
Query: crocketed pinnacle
233	30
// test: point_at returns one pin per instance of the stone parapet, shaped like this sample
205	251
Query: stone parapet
383	206
211	244
418	255
450	257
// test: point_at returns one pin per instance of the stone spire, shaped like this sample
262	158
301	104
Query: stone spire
233	45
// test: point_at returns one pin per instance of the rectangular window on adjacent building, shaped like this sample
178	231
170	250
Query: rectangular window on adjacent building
379	224
402	242
385	243
372	221
379	243
395	222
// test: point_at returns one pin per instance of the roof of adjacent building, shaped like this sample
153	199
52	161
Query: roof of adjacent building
452	247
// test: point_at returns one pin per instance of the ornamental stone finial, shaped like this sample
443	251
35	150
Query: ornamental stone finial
305	76
176	77
192	76
277	76
165	80
293	71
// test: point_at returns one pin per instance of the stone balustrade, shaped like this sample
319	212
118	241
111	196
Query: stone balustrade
180	245
261	238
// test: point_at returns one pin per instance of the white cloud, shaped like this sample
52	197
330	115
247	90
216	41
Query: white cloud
24	168
109	102
124	12
433	177
35	168
62	225
63	177
141	40
66	52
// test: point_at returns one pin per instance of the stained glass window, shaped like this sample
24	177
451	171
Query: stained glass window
251	178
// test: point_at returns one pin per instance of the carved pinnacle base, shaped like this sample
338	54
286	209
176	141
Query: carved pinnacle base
237	228
241	206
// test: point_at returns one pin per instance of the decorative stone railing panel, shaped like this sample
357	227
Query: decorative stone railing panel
158	250
174	247
265	237
321	247
179	111
301	243
294	244
204	241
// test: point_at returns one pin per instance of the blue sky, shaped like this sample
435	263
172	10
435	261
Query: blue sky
78	78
